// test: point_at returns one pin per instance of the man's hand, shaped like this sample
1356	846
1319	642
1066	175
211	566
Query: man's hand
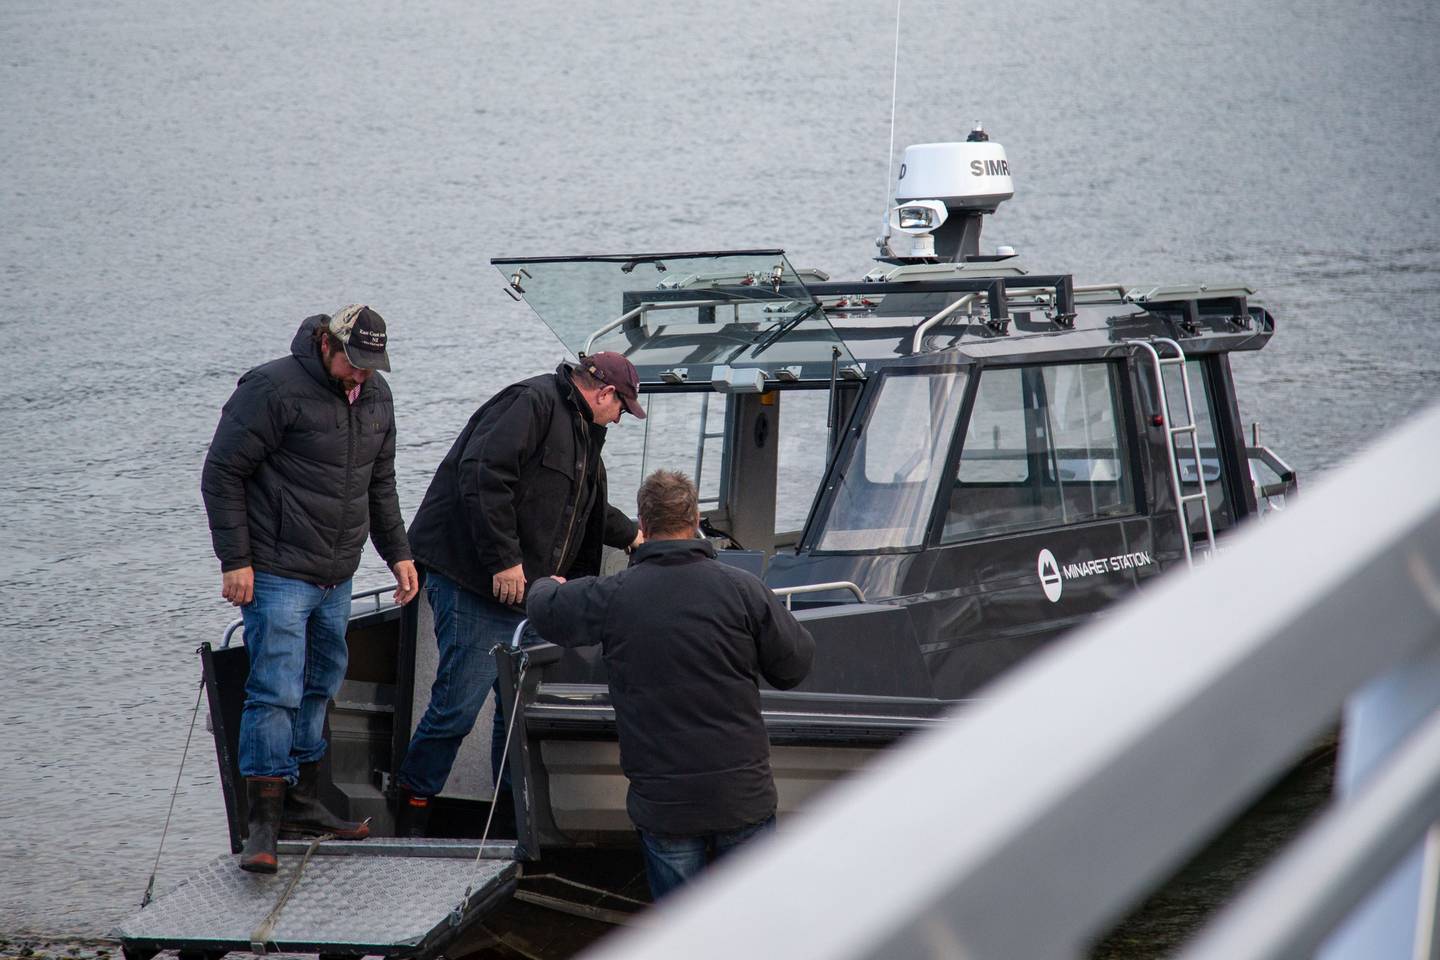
509	585
238	585
407	581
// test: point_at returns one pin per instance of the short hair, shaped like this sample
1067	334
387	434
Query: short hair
583	378
668	502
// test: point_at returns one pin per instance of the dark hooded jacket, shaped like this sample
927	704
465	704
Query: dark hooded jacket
686	640
523	483
296	476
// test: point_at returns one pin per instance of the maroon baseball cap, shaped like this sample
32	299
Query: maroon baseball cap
615	370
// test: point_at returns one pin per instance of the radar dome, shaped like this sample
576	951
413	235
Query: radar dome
974	175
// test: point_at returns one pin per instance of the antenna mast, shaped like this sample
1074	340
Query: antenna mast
884	242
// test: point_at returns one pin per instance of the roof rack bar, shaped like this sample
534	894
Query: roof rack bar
1065	301
1117	288
1062	303
956	285
995	289
999	306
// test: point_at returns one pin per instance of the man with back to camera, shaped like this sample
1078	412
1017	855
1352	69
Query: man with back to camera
686	639
521	494
301	468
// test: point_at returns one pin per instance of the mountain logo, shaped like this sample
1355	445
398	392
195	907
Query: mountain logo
1050	579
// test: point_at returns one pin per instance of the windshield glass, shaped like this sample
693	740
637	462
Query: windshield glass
682	431
888	488
678	316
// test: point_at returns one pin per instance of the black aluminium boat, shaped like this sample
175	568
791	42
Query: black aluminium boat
943	465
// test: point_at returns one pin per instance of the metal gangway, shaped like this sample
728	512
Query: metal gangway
1028	826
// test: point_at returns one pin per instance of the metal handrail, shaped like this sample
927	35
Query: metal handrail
645	308
924	326
789	592
371	592
519	631
375	593
235	624
618	322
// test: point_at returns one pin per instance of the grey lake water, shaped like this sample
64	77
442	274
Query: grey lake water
181	183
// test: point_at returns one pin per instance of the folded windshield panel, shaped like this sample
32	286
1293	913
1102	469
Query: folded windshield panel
684	317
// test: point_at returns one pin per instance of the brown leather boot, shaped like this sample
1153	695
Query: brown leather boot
266	796
306	816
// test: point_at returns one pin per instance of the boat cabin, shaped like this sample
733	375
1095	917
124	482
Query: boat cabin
944	466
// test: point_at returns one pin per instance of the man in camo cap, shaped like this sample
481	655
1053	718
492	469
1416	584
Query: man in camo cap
301	470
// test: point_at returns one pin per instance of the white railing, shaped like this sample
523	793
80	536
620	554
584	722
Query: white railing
788	593
1028	826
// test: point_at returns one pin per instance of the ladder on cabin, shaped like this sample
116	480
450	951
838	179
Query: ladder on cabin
1174	431
705	434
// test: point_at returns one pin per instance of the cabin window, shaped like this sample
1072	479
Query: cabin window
1043	447
804	438
671	438
884	500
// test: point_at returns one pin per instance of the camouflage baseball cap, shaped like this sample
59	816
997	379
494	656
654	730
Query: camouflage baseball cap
362	331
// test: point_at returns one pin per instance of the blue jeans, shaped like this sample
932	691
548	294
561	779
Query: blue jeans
671	861
295	636
466	627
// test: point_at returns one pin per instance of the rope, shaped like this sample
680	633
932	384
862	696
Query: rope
490	818
586	887
266	930
194	714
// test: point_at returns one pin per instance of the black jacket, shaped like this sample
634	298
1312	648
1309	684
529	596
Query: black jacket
296	476
523	483
686	640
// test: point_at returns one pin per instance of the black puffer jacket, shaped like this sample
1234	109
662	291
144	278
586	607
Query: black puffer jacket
296	476
523	483
686	640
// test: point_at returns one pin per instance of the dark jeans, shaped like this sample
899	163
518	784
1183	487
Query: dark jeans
295	636
671	861
466	627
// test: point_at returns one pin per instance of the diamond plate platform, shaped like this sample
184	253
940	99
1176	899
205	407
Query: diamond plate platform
343	904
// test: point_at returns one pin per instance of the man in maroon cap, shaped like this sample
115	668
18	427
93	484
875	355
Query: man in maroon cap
520	496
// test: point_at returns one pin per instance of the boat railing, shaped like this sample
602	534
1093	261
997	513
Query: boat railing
649	307
788	593
924	326
1048	810
370	593
1056	291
